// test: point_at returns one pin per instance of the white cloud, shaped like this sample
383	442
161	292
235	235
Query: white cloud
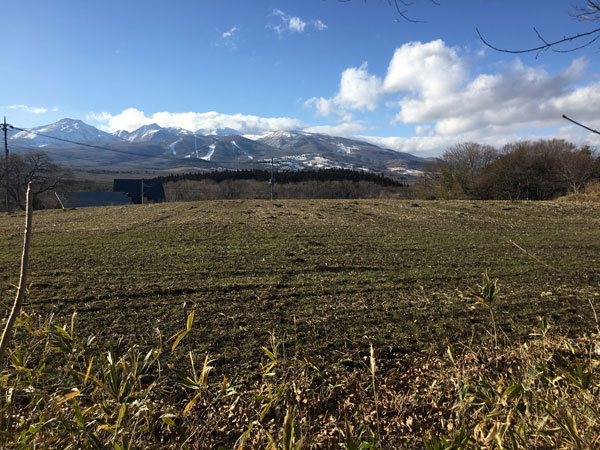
28	109
422	129
324	106
431	69
359	90
229	34
346	129
228	38
294	24
518	97
422	146
132	118
319	25
431	87
434	145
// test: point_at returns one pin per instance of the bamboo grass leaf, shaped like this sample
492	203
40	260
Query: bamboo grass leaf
69	396
191	404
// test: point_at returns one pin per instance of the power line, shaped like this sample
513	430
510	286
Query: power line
99	147
5	129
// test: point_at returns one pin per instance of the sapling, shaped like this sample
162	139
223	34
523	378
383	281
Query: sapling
22	279
487	296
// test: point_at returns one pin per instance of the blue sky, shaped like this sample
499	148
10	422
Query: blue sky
344	68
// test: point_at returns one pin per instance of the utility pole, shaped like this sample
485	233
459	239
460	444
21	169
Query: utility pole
142	191
5	128
272	180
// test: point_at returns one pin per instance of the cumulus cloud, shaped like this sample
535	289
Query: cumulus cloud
422	129
294	24
434	145
359	90
323	106
346	129
132	118
28	109
431	87
518	97
431	69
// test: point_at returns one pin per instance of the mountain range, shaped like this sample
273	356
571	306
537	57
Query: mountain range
79	145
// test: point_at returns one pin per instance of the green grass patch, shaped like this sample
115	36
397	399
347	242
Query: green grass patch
327	276
316	324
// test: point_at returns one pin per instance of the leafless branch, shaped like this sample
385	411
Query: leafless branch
591	41
403	15
588	13
581	125
399	5
547	45
540	36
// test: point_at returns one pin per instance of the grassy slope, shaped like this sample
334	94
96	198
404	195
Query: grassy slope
329	276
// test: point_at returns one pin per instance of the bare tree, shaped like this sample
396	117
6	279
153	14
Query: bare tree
540	170
466	161
37	168
577	168
454	174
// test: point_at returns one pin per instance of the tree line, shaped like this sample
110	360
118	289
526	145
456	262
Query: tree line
530	170
286	177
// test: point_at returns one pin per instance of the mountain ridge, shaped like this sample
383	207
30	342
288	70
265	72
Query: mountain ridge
171	147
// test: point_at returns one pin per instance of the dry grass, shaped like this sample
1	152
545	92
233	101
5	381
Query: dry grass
289	299
63	391
590	194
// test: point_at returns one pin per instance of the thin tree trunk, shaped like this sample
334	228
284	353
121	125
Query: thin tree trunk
22	280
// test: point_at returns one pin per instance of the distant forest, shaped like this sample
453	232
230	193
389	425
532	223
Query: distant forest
288	176
239	184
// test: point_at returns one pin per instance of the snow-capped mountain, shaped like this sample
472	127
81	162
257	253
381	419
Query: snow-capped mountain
152	132
163	148
226	148
279	139
68	129
321	150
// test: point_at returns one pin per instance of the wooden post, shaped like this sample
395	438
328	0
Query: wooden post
5	128
16	309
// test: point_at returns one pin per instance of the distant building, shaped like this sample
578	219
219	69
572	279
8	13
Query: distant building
85	199
140	190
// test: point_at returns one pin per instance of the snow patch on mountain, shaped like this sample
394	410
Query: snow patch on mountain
347	149
211	151
172	146
234	147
